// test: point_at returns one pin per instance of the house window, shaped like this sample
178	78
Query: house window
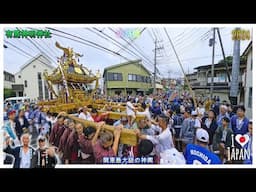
19	76
114	76
134	77
26	83
40	85
129	77
138	79
46	91
250	98
34	66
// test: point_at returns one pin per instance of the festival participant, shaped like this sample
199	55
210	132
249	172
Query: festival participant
163	141
210	125
64	138
177	122
98	117
223	113
130	111
22	154
44	157
187	131
145	149
248	146
239	123
200	110
57	131
102	147
21	124
146	111
10	128
222	138
71	151
84	114
195	119
36	116
85	142
198	153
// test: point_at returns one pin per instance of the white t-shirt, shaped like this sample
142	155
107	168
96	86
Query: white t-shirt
197	123
129	109
27	115
172	156
146	113
201	110
25	159
21	120
163	141
87	116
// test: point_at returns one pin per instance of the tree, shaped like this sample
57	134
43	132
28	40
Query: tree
229	60
8	93
185	87
149	91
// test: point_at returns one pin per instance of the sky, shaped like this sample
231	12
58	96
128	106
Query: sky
191	44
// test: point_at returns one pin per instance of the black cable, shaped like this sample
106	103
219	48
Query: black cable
95	44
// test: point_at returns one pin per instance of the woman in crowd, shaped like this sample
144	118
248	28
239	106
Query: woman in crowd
210	125
21	124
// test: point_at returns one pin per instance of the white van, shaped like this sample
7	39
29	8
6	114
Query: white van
14	100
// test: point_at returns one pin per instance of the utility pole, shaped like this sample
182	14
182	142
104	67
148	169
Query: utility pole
212	69
235	72
155	50
154	91
223	54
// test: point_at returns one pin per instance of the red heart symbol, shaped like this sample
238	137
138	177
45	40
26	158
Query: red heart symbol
242	139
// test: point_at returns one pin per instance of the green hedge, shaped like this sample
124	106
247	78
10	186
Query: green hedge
8	93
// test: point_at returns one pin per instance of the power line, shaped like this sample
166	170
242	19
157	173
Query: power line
151	36
181	48
116	44
120	44
127	45
51	56
49	47
181	44
131	45
25	45
183	36
19	52
25	52
196	58
192	43
90	42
